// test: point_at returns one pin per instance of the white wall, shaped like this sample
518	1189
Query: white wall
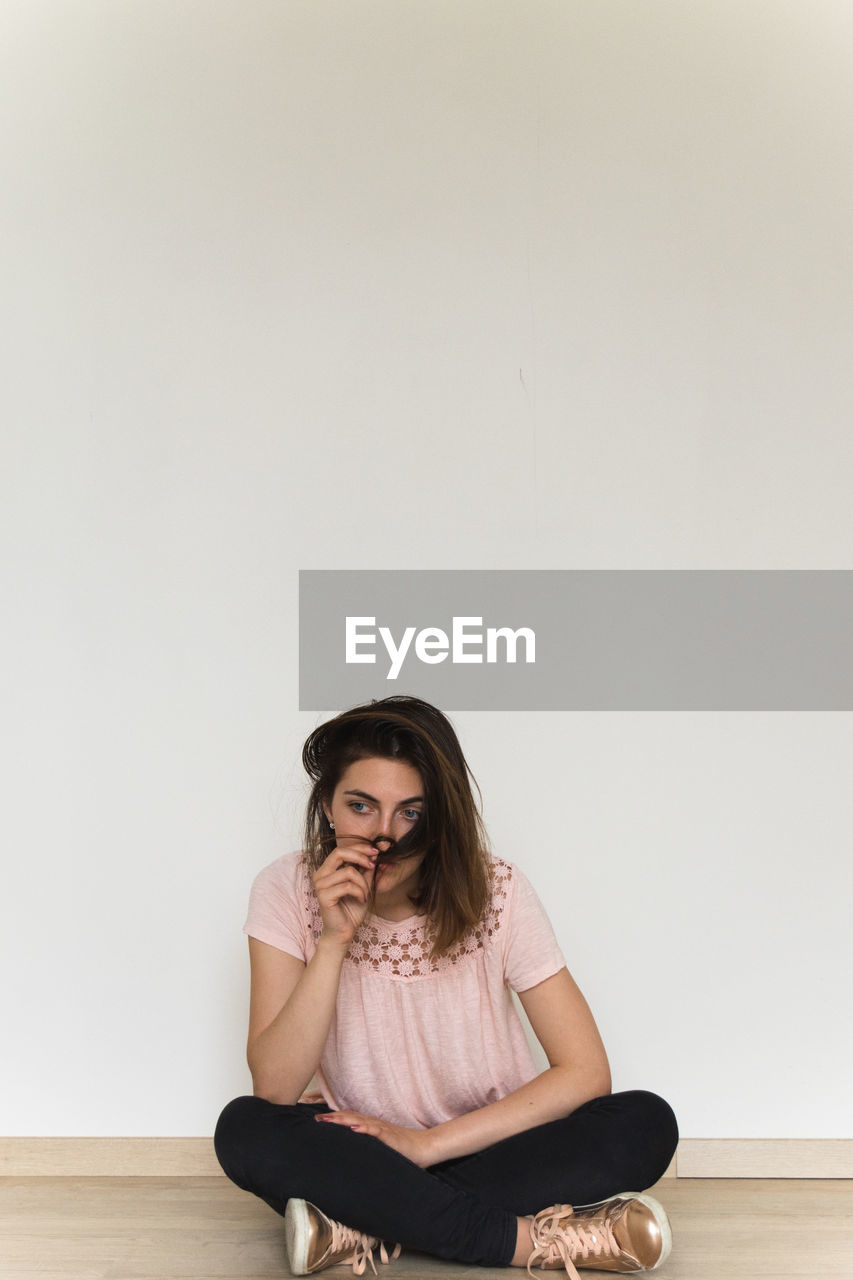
471	285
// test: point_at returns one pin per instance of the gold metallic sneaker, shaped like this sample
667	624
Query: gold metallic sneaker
315	1242
628	1233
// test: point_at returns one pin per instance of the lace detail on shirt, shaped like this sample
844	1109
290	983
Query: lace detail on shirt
403	950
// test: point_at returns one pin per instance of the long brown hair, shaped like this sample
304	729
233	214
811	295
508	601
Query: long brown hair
454	885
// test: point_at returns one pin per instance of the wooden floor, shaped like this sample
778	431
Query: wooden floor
205	1229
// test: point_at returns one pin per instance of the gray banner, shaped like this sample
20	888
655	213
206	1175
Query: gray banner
578	640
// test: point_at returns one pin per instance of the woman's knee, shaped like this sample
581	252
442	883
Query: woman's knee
257	1141
234	1137
656	1124
658	1116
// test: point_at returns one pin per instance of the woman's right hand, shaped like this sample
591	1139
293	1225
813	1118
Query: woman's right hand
343	885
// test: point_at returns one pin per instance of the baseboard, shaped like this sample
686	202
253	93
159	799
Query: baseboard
108	1157
194	1157
117	1158
765	1158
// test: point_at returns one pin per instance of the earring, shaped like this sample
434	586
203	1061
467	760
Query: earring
331	824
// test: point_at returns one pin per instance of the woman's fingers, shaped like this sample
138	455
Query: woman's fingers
350	855
347	1118
343	885
349	850
342	881
343	868
338	861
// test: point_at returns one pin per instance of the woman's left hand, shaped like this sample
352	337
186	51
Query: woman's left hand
414	1144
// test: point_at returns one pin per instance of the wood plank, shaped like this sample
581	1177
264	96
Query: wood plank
117	1158
765	1158
194	1157
108	1157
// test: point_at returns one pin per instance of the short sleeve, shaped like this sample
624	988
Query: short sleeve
276	907
531	952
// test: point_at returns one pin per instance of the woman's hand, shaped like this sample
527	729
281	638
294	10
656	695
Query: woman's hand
343	885
414	1144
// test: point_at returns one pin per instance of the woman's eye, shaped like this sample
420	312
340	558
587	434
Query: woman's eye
358	805
412	814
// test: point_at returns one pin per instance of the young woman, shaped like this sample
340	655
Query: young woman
383	957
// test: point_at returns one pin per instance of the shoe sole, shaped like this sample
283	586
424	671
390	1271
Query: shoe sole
297	1236
660	1217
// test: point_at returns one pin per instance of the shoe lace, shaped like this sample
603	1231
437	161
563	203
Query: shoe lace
555	1236
345	1239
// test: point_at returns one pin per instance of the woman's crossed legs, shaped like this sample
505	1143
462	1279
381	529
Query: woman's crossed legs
466	1209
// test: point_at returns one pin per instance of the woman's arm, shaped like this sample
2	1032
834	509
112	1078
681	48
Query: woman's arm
290	1012
292	1003
578	1072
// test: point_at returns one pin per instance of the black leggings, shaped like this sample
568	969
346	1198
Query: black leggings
462	1209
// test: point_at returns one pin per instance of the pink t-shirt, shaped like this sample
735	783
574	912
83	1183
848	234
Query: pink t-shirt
413	1040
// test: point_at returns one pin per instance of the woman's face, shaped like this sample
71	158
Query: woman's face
379	797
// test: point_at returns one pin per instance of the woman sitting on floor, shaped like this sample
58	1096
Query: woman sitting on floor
383	957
